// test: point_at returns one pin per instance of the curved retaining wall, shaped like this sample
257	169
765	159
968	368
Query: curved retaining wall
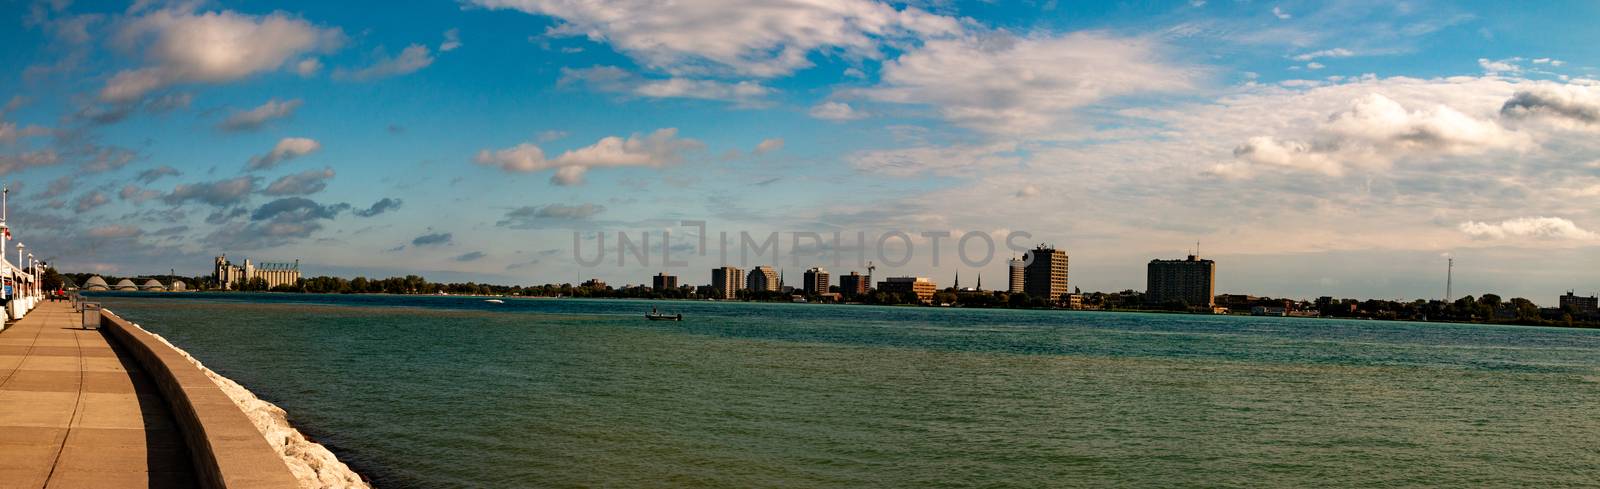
226	449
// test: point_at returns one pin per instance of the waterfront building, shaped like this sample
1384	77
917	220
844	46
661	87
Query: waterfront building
153	285
1046	275
817	281
125	284
853	284
1587	306
662	281
594	283
1191	281
726	281
920	286
178	286
230	276
1017	273
762	278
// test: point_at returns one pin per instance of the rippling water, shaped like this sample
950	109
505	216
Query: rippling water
433	392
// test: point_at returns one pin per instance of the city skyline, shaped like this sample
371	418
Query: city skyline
1340	149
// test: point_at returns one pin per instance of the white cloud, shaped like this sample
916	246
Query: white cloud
1554	228
743	37
1371	133
659	148
1549	61
836	111
616	80
308	67
1028	191
956	160
1508	65
1010	85
1280	13
211	47
303	183
259	116
1315	66
769	145
452	40
286	149
412	58
1326	53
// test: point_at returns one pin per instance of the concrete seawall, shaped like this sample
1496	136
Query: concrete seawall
236	440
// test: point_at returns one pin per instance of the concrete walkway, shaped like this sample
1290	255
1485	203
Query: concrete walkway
77	412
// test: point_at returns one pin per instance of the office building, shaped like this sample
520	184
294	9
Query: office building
1046	276
853	284
762	278
662	281
726	282
1587	306
817	281
1191	281
920	286
1017	272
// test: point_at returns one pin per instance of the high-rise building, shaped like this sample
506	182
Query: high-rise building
1046	276
762	278
853	284
817	281
1583	305
1191	281
920	286
727	281
1016	267
662	281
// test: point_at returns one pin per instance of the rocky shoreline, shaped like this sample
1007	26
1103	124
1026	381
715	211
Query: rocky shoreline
312	464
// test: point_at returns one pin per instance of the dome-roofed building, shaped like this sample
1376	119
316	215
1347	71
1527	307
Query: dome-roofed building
178	286
95	283
153	285
125	284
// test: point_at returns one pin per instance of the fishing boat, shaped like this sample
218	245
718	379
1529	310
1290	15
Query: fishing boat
495	301
657	316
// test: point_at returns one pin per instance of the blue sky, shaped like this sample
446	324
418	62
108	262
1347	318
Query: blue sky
1312	148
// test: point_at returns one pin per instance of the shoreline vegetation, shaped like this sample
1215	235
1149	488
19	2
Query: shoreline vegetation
1485	309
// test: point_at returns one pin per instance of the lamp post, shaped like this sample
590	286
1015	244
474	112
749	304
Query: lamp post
19	265
33	271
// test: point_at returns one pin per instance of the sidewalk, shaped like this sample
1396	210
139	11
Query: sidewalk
76	412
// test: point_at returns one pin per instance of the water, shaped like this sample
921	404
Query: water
438	392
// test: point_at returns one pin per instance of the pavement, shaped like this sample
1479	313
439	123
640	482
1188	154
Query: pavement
76	411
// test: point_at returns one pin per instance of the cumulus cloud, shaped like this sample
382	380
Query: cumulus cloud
153	174
1553	228
769	145
220	193
286	149
253	119
743	37
183	46
381	206
412	58
836	111
432	239
132	193
535	217
297	209
308	67
1024	85
662	147
1373	132
1508	65
1280	13
303	183
617	80
12	163
452	40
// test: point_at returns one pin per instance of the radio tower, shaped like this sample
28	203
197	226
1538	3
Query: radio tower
1449	272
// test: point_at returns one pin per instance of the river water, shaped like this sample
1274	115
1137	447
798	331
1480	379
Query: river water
439	392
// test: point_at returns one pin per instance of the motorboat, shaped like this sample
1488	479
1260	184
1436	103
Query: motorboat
659	316
495	301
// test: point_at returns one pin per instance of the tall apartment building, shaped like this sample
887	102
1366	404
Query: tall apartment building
1190	280
853	284
1046	276
662	281
817	281
727	281
762	278
920	286
1017	271
1584	305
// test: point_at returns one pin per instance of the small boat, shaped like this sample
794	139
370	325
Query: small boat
663	317
495	301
